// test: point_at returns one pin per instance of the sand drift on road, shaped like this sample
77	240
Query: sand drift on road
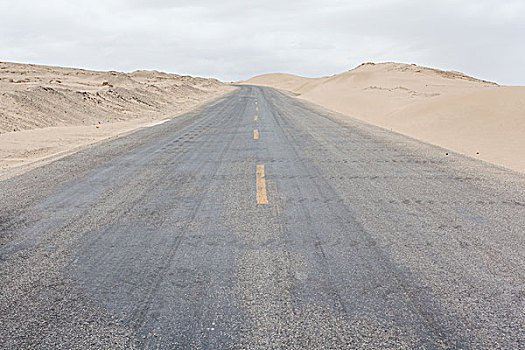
50	111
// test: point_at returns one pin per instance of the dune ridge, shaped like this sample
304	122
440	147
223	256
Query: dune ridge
450	109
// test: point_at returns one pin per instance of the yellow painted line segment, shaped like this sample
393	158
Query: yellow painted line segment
262	198
256	108
255	118
255	134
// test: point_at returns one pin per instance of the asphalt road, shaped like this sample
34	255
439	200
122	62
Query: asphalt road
261	222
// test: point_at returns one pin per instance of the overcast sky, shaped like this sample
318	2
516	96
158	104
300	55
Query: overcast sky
236	39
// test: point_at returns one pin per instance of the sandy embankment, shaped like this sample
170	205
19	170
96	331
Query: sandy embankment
470	116
48	112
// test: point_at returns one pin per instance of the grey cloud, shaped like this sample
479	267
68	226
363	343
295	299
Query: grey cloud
236	39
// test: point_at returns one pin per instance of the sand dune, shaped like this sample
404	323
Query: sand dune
474	117
34	96
50	111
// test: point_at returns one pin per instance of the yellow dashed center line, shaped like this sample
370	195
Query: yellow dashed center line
261	185
255	134
255	118
256	108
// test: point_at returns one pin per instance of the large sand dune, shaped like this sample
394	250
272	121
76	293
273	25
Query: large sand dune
50	111
474	117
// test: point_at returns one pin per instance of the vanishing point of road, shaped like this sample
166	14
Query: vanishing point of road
261	222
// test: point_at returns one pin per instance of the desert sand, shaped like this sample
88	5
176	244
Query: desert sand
48	112
478	118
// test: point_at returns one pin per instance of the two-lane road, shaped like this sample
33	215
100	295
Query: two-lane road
261	221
